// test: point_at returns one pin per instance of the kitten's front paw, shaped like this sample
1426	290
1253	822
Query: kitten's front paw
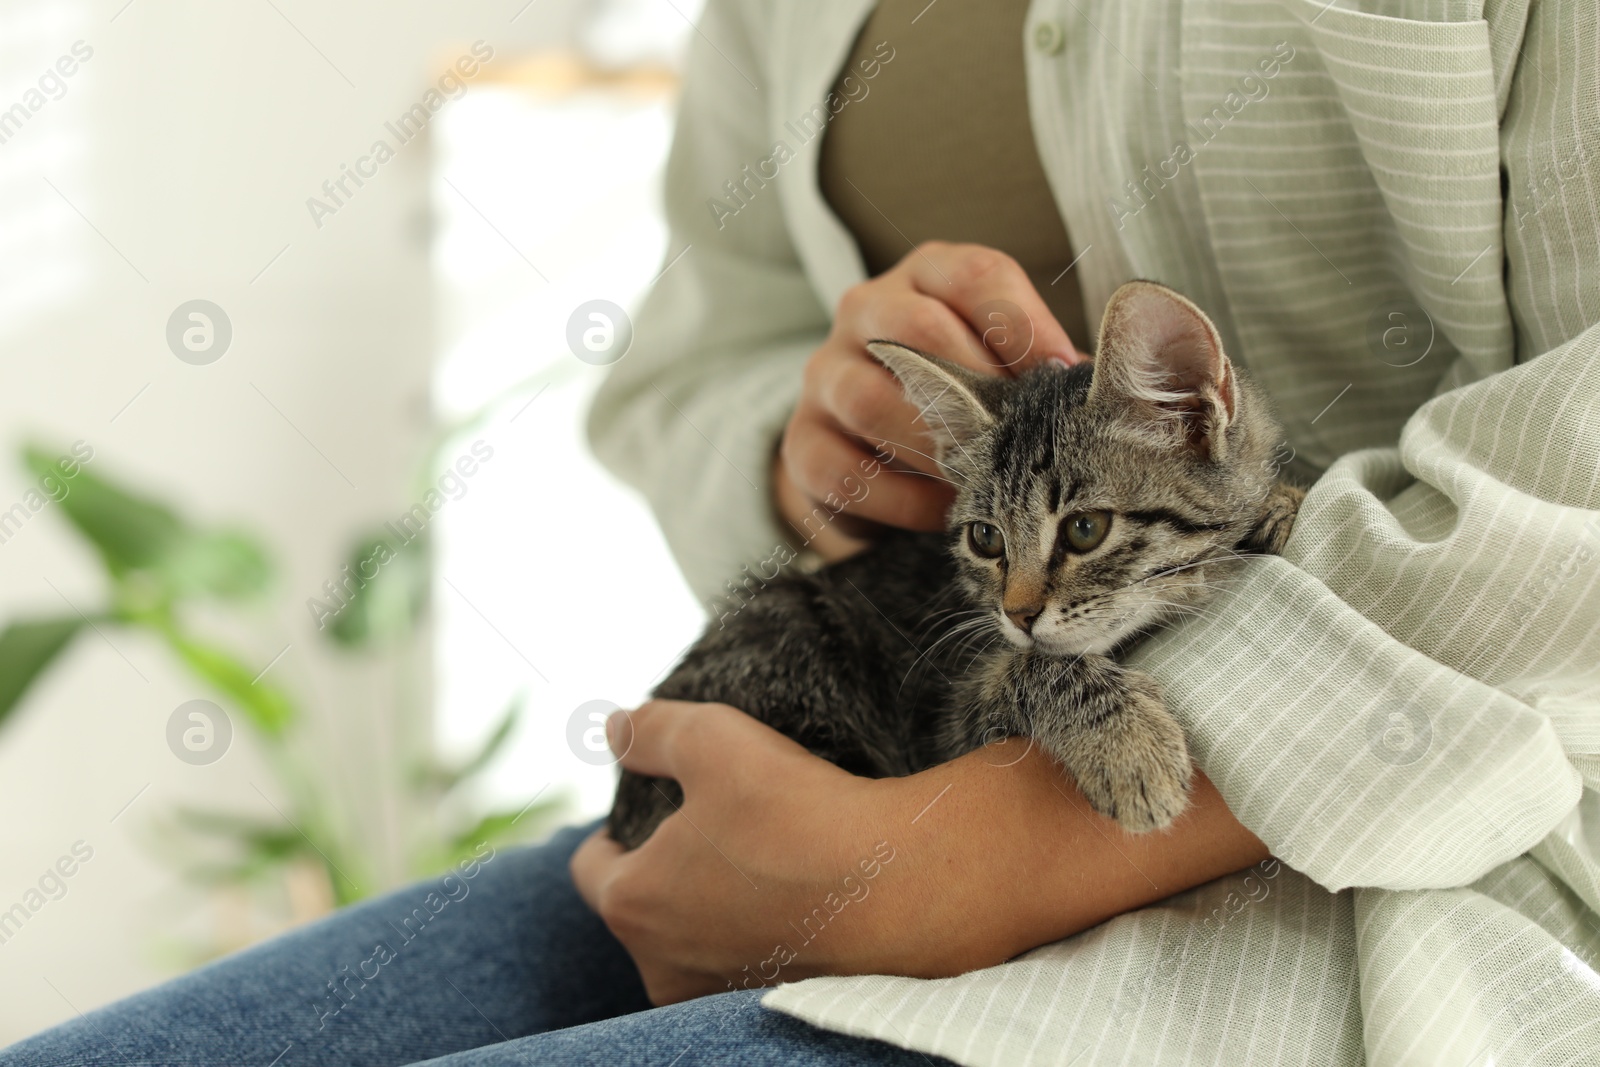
1277	520
1133	766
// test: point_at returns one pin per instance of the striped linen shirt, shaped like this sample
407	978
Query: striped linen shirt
1392	210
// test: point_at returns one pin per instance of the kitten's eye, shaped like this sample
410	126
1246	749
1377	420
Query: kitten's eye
986	540
1087	529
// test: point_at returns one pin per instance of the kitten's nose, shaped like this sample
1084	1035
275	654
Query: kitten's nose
1024	616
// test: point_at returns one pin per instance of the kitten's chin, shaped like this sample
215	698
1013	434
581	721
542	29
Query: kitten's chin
1016	636
1087	640
1083	641
1062	645
1059	646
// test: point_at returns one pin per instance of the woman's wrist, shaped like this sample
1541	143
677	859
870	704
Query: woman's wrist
1002	836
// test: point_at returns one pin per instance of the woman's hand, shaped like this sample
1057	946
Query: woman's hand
781	866
966	303
764	829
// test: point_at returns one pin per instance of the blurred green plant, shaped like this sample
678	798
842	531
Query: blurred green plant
157	567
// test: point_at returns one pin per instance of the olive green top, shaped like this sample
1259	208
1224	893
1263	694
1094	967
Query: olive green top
938	146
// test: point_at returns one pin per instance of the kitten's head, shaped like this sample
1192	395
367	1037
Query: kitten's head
1093	501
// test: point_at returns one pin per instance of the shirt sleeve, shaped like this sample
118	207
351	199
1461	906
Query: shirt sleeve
691	415
1392	702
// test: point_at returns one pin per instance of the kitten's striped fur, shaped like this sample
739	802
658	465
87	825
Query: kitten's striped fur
924	647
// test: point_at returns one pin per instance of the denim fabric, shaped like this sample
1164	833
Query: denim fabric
499	962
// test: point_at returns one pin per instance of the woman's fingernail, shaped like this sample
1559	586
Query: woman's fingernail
619	732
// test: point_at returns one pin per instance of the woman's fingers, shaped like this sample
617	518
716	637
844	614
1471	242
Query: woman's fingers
978	283
968	304
686	740
866	402
835	470
829	474
891	309
662	738
593	864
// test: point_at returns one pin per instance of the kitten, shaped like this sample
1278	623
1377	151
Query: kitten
1091	503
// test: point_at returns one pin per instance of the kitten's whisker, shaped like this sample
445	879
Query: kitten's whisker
1177	608
1169	618
929	651
1087	608
950	619
924	474
966	647
959	609
1200	563
1183	607
966	627
1200	583
947	591
975	642
908	448
935	617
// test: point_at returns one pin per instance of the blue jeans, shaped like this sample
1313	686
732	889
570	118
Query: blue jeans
499	962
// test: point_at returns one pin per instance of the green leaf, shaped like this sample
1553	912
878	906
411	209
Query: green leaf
136	534
26	649
229	566
506	825
384	587
496	828
267	707
263	846
258	847
254	835
226	823
448	778
131	532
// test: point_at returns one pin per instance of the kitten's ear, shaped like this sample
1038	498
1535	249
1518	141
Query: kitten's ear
1160	351
957	404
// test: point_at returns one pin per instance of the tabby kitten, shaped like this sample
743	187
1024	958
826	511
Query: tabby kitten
1091	504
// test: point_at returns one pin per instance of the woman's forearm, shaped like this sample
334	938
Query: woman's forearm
781	866
1003	828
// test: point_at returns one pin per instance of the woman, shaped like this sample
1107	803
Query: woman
1387	207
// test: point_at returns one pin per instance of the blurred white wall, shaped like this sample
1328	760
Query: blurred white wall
177	165
553	554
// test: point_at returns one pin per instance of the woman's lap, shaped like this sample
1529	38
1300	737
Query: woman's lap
489	956
731	1028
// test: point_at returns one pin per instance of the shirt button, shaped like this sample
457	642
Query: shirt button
1049	38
